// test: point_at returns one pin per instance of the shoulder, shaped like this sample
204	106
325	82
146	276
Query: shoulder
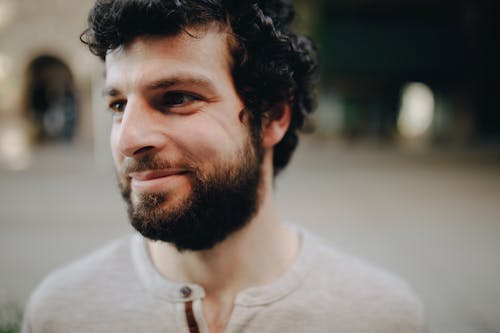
106	260
91	277
352	288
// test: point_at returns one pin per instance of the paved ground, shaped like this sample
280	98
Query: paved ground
433	218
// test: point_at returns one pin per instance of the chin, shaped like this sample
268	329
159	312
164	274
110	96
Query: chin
158	202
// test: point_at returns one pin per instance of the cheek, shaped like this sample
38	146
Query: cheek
113	142
219	132
208	143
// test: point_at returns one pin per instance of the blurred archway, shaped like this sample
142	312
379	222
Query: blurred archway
51	103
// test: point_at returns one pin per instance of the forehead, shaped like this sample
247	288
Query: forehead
201	51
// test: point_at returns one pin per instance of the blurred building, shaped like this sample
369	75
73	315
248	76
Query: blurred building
373	50
46	74
418	69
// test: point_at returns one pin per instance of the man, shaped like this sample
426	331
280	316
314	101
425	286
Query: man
207	97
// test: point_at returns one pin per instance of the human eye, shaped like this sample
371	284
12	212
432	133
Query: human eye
176	99
117	106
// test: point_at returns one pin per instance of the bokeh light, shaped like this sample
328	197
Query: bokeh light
14	148
417	110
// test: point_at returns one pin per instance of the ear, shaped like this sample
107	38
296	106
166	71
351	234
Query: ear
274	129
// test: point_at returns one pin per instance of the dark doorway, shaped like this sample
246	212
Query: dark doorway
51	99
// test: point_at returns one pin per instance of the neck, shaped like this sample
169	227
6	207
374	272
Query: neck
255	255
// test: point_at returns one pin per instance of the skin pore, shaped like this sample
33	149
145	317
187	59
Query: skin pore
174	98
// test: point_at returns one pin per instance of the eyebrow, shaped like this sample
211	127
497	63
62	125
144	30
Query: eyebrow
199	81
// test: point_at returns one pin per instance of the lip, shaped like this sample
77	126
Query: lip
155	174
155	180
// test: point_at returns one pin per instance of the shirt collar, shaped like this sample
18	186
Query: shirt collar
176	292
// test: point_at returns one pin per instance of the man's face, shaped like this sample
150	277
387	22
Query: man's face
187	164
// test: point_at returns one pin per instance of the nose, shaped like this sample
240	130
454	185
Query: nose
139	131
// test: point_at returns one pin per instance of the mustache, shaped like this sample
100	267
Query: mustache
152	162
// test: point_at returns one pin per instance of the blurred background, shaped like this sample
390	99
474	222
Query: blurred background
403	167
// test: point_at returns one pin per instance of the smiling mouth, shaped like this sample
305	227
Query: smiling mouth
155	174
155	180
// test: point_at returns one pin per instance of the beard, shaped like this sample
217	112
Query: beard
221	201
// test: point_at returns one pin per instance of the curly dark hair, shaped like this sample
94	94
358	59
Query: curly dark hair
271	65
